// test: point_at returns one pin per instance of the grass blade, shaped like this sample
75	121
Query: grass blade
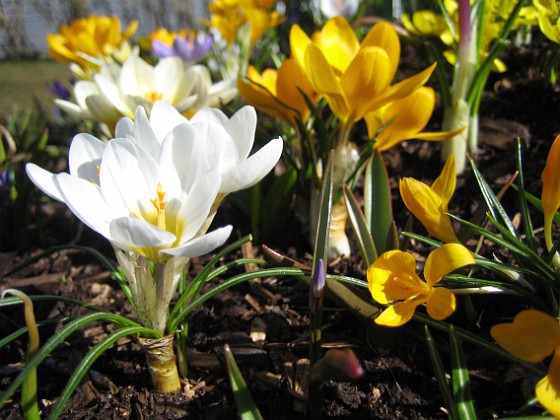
460	379
88	360
360	226
245	404
439	371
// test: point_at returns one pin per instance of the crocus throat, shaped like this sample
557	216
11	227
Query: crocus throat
153	96
159	204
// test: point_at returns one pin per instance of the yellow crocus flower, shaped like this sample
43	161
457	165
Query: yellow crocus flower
532	337
277	92
405	119
429	204
548	14
392	280
550	195
260	21
228	16
94	36
353	78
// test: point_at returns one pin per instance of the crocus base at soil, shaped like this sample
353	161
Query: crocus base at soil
161	363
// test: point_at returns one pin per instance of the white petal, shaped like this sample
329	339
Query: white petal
128	174
164	117
103	110
72	109
137	77
221	151
110	91
130	233
84	89
252	170
85	157
241	127
44	180
182	159
144	134
196	207
211	115
124	129
86	202
201	245
170	78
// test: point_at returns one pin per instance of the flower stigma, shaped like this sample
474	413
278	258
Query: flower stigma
159	204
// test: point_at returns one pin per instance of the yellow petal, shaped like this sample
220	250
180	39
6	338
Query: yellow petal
398	91
321	76
291	83
427	207
444	185
532	336
366	77
439	135
429	23
444	260
398	314
338	43
441	303
393	277
550	195
299	41
407	117
384	36
548	388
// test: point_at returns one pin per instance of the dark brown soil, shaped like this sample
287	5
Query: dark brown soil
398	381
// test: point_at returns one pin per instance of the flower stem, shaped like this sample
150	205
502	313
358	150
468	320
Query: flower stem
161	363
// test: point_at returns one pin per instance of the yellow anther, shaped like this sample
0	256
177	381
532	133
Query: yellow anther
158	202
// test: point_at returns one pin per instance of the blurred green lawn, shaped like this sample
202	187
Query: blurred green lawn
23	83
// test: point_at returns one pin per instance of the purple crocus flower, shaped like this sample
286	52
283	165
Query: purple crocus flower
58	90
5	187
191	48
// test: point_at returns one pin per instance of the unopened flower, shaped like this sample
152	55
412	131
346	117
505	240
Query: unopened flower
550	195
405	119
430	204
190	46
279	93
95	36
533	336
332	8
392	280
353	78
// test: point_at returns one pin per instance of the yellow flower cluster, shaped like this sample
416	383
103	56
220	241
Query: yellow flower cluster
228	16
355	80
97	37
426	23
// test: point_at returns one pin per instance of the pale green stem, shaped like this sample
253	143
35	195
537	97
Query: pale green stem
152	285
458	113
29	403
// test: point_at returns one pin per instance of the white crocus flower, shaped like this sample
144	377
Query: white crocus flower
150	198
117	91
